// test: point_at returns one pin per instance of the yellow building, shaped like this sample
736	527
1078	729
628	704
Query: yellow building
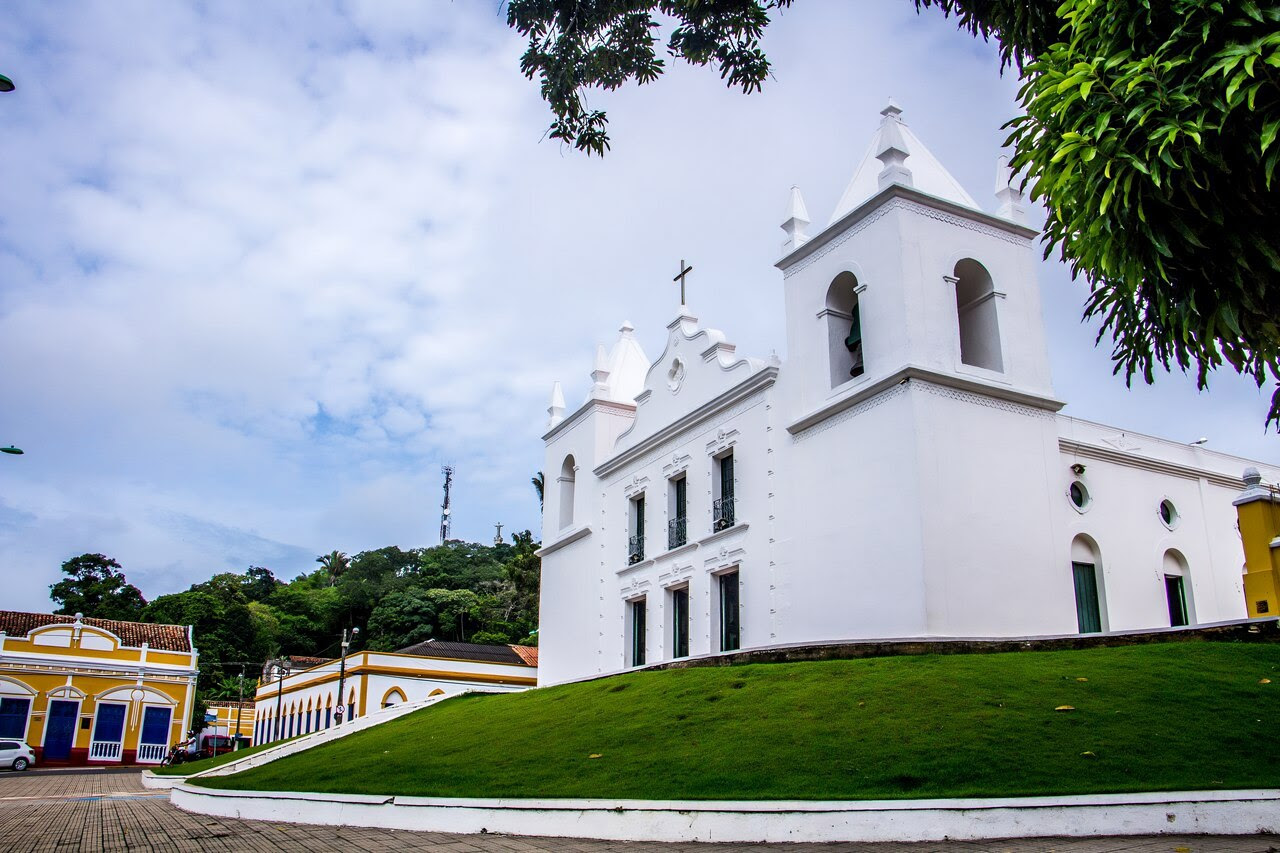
1258	508
95	691
230	718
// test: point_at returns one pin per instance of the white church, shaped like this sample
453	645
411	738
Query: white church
905	474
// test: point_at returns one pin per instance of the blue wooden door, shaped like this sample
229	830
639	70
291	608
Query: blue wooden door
155	726
109	727
61	731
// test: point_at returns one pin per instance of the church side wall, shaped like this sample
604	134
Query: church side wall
569	608
849	563
1123	519
989	534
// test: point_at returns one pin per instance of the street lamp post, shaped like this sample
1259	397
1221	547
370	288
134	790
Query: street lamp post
342	671
282	669
239	712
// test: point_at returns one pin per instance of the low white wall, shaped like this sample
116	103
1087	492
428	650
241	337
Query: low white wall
1196	812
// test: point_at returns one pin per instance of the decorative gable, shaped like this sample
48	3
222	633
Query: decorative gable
696	366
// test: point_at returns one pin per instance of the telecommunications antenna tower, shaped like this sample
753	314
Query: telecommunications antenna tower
445	511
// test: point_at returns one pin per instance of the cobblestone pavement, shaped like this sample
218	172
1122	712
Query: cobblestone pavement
110	810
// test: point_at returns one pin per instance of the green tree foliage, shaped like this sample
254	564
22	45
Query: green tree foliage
259	583
307	614
402	618
96	587
397	597
459	565
334	564
1150	131
230	687
371	576
1149	134
539	486
221	620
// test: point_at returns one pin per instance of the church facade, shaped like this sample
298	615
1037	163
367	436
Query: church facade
906	473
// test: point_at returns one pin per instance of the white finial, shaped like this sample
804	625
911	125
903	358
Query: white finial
1010	197
555	411
1254	490
627	329
796	222
893	151
600	375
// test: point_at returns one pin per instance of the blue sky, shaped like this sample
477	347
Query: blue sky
265	266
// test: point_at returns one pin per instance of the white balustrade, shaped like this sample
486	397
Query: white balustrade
101	750
151	753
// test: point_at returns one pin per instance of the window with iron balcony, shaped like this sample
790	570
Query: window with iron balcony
677	526
635	543
722	508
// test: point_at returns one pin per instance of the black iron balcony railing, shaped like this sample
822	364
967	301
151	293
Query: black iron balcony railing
677	532
722	514
635	549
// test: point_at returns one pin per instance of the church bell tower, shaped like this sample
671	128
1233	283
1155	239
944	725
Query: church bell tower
921	406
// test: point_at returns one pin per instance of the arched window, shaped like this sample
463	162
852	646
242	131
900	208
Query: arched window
976	308
843	317
1177	589
394	696
1086	574
566	491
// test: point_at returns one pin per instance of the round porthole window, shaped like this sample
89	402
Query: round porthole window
1078	493
1168	514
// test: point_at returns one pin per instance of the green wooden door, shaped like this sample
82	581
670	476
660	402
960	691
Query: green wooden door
1176	594
1088	615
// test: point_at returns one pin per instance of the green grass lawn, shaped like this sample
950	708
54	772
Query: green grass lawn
210	763
1175	716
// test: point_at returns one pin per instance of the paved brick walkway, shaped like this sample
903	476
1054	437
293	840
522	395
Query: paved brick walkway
110	810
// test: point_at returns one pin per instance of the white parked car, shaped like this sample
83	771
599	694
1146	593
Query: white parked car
16	754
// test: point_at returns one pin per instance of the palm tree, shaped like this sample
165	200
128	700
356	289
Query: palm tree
539	482
335	563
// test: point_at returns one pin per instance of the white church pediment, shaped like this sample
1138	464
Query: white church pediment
696	366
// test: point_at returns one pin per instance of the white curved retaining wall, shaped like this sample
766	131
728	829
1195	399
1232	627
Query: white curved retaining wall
1196	812
266	756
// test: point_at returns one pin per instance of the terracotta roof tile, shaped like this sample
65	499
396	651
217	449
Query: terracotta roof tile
169	638
529	653
307	662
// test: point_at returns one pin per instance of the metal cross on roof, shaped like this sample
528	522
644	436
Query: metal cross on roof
684	271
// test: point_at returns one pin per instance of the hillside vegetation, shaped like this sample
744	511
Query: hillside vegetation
1176	716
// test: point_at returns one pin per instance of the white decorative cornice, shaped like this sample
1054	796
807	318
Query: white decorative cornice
978	391
1146	463
586	410
573	535
906	199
